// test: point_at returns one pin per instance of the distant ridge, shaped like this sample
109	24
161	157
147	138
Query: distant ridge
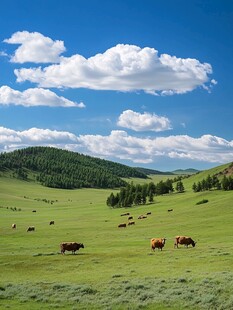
152	171
188	171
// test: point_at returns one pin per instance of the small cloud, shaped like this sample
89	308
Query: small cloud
34	47
183	125
35	97
4	54
214	82
143	122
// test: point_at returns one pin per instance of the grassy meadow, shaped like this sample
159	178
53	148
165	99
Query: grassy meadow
116	269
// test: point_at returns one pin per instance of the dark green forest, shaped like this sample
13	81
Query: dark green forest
140	194
58	168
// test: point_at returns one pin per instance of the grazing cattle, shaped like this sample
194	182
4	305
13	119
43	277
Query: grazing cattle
70	246
51	223
130	218
148	213
186	241
13	226
122	225
31	228
169	210
124	214
157	243
131	223
34	211
142	217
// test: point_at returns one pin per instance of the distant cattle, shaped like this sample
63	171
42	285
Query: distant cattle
148	213
131	223
13	226
31	228
157	243
51	223
142	217
186	241
130	218
70	246
124	214
122	225
34	211
169	210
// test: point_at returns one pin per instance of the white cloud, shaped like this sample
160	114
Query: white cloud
34	97
34	47
143	122
12	139
2	53
120	145
123	68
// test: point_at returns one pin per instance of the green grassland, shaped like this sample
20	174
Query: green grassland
116	269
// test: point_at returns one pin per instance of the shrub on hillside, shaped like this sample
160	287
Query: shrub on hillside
202	201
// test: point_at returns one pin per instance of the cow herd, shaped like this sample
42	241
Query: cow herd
156	243
31	228
130	219
159	243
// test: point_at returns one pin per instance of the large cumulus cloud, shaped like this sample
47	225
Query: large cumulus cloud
120	145
123	68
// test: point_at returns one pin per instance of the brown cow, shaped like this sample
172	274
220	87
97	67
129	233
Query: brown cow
122	225
157	243
125	214
51	223
31	228
186	241
131	223
142	217
70	246
13	226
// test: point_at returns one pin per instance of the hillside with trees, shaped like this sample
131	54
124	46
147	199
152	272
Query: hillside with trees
218	178
58	168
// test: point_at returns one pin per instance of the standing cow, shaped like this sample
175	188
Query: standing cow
13	226
70	246
186	241
51	223
157	243
31	228
122	225
131	223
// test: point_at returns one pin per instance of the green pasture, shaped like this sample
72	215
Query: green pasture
116	269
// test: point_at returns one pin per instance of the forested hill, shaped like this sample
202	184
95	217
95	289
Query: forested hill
58	168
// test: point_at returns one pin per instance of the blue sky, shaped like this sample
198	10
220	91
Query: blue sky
145	83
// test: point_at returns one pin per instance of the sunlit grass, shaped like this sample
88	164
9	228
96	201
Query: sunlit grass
116	269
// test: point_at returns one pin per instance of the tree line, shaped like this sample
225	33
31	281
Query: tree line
141	194
212	182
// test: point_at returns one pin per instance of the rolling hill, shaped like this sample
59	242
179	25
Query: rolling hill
58	168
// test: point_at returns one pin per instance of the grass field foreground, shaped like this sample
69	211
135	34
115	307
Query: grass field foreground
116	269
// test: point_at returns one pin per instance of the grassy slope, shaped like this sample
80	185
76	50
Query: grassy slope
116	267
